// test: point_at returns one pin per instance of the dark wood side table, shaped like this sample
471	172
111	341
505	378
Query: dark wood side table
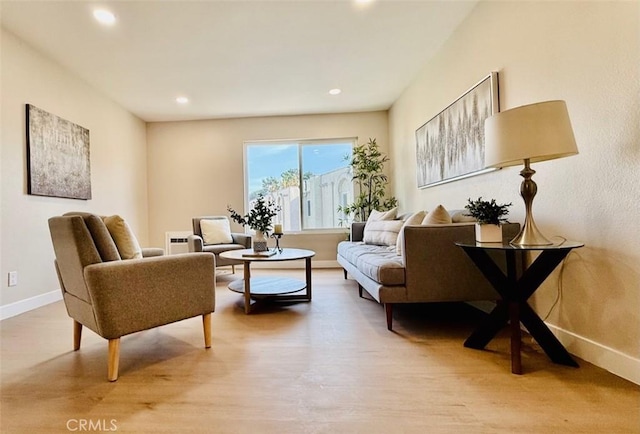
515	289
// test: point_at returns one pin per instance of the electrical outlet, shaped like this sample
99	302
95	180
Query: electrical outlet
13	278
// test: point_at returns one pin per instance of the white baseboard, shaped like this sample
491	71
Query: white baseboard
22	306
600	355
614	361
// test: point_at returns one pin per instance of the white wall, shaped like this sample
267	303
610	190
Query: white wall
196	168
118	167
588	54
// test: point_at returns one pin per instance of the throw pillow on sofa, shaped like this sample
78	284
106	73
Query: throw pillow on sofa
382	233
461	216
376	216
439	216
377	233
123	236
414	219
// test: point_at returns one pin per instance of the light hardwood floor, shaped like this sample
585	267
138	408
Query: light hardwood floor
329	366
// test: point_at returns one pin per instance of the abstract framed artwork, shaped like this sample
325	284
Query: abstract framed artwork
450	146
58	159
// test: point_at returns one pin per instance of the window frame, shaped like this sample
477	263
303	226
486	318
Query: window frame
302	184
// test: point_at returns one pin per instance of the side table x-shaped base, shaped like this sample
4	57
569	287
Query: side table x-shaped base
515	291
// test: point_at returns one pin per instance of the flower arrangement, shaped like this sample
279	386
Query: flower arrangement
259	217
487	212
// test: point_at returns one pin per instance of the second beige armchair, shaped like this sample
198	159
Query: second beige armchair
223	240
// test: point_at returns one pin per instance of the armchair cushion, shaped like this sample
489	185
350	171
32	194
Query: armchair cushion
100	234
216	249
216	231
123	236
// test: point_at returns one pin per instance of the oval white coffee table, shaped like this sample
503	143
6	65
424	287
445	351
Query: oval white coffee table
271	287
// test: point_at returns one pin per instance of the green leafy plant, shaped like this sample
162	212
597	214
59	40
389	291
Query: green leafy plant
487	212
259	218
367	164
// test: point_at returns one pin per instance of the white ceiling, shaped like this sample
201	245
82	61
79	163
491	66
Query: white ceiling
240	58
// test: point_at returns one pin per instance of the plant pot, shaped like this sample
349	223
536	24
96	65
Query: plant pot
488	233
260	242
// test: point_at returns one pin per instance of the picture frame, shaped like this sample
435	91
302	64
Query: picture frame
58	156
450	146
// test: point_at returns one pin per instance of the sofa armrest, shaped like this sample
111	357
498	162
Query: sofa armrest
137	294
149	252
357	231
243	239
195	243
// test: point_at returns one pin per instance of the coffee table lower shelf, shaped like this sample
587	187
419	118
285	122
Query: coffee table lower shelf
271	287
264	287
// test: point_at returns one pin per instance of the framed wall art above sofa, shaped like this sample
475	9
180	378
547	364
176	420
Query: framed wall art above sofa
450	146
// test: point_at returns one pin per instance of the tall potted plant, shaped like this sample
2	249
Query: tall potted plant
489	216
259	218
367	164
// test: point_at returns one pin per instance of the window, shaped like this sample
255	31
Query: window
308	180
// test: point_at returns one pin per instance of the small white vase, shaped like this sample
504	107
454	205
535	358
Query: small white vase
260	242
488	233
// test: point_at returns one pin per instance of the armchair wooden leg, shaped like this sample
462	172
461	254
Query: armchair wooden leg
77	335
114	359
206	325
388	307
345	273
233	269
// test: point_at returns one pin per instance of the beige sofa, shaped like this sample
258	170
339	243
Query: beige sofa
431	267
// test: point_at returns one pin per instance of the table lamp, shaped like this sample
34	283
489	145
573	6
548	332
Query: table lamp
528	134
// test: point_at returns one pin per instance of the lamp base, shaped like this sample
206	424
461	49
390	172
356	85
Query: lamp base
529	235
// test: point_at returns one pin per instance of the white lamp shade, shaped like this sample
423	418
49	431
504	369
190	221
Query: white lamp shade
537	132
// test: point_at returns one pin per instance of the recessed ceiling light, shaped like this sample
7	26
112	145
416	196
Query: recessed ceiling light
104	16
182	100
335	91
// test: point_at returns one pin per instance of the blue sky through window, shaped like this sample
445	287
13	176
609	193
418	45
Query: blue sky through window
273	159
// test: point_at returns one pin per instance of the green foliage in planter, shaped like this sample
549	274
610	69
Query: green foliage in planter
487	212
367	164
260	216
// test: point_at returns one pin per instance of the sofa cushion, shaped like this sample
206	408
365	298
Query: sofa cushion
439	216
382	233
379	263
216	231
123	236
414	219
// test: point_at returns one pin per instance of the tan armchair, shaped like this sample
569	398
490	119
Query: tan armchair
115	297
196	243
